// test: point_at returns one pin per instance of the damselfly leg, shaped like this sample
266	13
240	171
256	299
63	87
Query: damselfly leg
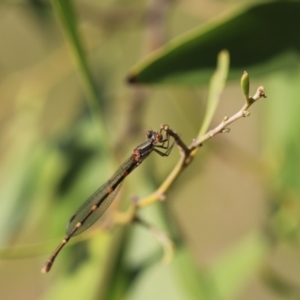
163	141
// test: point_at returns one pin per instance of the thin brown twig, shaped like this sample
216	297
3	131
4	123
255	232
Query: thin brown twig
188	152
187	155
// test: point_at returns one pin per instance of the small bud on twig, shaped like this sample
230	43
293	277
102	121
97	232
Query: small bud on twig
246	113
225	130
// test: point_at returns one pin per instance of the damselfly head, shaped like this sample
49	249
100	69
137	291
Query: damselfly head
154	136
149	134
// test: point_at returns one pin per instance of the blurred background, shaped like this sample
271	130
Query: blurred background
69	119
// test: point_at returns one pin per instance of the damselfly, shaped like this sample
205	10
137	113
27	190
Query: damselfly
91	210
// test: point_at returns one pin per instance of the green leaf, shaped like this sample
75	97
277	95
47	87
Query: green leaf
232	271
217	84
67	16
254	37
195	283
227	275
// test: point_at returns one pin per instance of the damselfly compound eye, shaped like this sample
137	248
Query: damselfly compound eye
149	134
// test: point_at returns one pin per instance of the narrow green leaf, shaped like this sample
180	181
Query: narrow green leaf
217	84
67	17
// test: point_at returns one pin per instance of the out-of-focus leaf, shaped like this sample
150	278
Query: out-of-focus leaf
282	123
67	16
21	193
254	37
195	283
282	151
228	273
217	84
231	271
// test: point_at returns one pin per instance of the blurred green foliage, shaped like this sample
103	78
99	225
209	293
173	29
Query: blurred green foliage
68	119
248	35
